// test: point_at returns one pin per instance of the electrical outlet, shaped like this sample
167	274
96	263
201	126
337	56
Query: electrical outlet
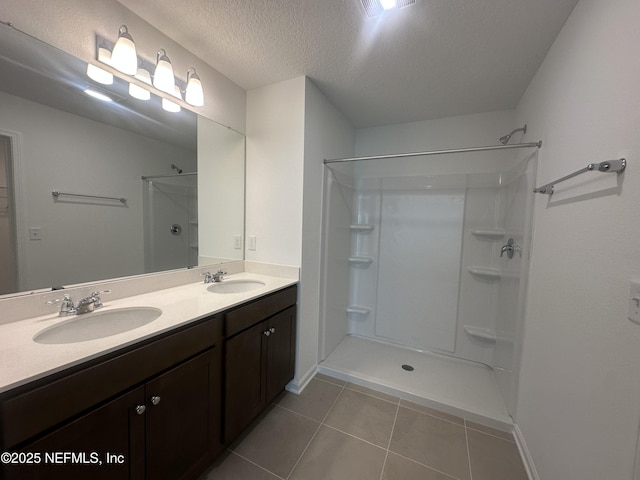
634	301
237	242
251	239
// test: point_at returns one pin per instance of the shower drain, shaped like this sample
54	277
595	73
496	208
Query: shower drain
408	368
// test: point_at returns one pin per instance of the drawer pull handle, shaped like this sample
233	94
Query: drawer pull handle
155	399
140	409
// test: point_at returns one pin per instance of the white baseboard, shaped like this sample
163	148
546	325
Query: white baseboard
532	473
297	385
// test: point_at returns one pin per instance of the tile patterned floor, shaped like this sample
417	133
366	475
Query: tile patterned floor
336	430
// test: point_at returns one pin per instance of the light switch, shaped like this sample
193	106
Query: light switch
634	301
251	240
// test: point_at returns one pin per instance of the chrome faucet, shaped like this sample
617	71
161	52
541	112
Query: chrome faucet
86	305
218	276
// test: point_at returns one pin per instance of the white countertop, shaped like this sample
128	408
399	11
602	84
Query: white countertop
23	360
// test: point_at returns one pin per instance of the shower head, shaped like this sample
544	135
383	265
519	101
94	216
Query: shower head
174	167
504	140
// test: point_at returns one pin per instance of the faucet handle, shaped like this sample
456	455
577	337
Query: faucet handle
208	277
218	275
66	308
97	301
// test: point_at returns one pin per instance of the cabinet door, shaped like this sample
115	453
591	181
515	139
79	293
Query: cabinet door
183	418
107	443
280	352
244	384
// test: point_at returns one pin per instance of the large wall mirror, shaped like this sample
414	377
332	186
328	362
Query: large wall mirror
92	190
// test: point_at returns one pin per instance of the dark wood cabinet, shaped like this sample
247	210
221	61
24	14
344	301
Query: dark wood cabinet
260	360
156	409
168	427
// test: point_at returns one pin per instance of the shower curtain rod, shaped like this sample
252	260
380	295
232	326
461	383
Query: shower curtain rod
149	177
437	152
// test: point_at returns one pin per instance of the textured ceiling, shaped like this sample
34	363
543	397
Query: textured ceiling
435	59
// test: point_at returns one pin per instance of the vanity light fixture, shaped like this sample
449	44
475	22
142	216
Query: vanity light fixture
138	92
163	78
194	94
98	74
123	56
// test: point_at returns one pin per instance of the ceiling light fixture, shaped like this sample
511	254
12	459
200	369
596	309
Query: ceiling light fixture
373	8
123	56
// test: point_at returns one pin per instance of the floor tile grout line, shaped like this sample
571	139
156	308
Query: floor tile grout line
257	465
393	427
315	434
491	434
430	467
354	436
435	416
466	438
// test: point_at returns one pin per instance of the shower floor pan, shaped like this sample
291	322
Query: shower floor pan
452	385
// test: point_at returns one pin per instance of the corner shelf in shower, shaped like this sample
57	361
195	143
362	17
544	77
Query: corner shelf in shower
361	227
485	334
355	260
487	272
358	309
488	233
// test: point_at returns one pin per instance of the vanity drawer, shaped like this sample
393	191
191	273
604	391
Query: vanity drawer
34	408
248	315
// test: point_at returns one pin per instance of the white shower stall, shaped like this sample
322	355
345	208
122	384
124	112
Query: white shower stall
424	268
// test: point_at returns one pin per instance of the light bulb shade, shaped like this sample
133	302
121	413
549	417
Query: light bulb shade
163	78
170	106
138	92
124	57
194	94
99	75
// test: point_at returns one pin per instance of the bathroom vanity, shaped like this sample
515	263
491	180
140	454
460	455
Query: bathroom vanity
161	407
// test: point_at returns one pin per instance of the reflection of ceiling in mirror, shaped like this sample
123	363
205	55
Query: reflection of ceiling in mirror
57	79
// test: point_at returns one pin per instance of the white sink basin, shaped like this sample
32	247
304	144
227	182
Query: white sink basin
90	326
235	286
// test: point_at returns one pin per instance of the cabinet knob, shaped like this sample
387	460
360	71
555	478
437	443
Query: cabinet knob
140	409
272	330
155	399
266	333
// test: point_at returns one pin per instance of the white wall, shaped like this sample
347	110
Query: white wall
275	154
291	128
72	26
579	398
60	151
327	134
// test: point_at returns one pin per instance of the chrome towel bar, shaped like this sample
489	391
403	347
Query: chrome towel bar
610	166
56	194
